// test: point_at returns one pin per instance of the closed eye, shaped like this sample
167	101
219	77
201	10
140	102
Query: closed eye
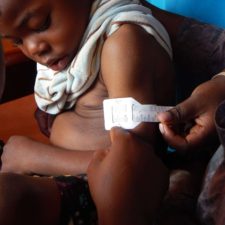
45	25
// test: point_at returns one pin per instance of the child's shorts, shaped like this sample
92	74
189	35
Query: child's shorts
77	206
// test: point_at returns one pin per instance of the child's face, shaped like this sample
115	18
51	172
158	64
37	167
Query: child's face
47	31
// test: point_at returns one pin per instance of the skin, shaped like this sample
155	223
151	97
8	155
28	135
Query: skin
16	191
201	137
41	37
200	107
36	29
119	200
77	134
119	165
202	113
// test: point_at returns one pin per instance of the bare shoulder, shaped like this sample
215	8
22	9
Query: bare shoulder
127	34
129	42
134	64
130	57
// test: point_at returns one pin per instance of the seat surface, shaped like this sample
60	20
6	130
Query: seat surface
17	118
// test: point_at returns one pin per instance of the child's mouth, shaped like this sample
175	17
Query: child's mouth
59	64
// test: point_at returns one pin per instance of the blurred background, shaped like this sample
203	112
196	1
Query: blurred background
210	11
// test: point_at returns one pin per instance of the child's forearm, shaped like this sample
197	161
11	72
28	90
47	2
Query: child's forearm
37	158
57	161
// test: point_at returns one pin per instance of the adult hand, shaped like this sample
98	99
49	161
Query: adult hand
127	181
196	115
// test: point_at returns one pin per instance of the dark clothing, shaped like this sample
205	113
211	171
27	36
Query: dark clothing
76	201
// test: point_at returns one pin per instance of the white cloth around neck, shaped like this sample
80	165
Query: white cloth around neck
58	90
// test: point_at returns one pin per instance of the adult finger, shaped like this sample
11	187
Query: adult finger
193	138
182	112
117	133
98	157
172	138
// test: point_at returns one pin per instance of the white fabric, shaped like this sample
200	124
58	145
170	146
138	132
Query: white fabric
55	91
219	74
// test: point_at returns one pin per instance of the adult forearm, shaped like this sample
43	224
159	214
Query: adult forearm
122	215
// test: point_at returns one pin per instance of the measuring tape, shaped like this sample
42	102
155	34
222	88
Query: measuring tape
128	113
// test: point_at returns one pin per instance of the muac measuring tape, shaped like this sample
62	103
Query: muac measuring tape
129	113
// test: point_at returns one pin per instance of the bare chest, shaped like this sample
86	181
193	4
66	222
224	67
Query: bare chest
83	127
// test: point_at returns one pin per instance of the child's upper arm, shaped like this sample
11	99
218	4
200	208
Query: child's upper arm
122	62
131	65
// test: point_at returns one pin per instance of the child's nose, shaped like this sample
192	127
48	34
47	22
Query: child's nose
36	47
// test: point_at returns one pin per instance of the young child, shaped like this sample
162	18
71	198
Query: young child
87	51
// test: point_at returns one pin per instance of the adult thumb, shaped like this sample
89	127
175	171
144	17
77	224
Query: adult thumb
116	133
182	112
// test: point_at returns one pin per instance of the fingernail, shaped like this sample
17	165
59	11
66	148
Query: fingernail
161	128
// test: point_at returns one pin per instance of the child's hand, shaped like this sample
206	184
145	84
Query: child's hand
17	155
127	181
198	111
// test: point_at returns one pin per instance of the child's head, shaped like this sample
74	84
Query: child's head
47	31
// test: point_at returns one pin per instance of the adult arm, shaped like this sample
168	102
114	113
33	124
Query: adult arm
199	109
127	181
134	65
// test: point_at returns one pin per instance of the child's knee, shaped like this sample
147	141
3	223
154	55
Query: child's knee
10	185
13	196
